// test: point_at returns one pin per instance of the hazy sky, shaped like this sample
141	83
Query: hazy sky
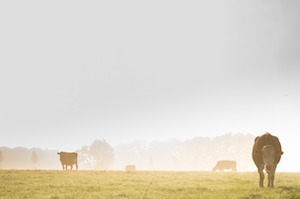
75	71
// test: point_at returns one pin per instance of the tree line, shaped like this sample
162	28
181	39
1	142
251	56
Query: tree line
198	153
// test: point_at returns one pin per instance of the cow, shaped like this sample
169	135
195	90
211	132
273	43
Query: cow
68	159
266	154
130	168
224	165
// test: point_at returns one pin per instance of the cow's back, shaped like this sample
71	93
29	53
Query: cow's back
260	142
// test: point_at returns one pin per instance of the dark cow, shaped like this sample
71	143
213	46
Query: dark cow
224	165
266	154
68	159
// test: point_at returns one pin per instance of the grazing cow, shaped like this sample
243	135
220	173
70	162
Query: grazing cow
68	159
225	164
130	168
266	154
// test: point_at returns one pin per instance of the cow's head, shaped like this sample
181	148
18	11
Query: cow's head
268	156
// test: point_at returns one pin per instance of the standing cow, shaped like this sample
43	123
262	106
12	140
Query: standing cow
266	154
68	159
224	165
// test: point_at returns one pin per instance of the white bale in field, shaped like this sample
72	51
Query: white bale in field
130	168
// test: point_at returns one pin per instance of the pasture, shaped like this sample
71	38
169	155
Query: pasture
52	184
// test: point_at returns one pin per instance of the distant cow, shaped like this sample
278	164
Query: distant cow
224	165
266	154
130	168
68	159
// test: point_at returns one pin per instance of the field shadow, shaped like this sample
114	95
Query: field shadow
293	192
289	189
252	196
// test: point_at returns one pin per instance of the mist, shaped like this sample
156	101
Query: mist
196	154
73	72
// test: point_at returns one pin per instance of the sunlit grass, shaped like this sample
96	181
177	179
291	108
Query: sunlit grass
143	184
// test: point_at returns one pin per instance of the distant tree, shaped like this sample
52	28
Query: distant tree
99	155
1	159
34	158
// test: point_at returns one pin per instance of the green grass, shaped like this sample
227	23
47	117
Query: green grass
143	185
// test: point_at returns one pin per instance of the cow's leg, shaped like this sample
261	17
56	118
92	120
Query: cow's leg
272	180
63	166
261	176
272	177
76	166
71	167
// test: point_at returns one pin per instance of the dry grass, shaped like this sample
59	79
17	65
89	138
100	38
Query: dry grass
143	185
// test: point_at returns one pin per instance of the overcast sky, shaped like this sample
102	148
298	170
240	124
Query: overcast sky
75	71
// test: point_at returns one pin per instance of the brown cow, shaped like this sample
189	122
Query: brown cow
68	159
266	154
225	164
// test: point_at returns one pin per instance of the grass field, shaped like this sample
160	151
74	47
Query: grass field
143	184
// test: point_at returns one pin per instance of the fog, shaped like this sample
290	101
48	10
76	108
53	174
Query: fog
73	71
197	154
